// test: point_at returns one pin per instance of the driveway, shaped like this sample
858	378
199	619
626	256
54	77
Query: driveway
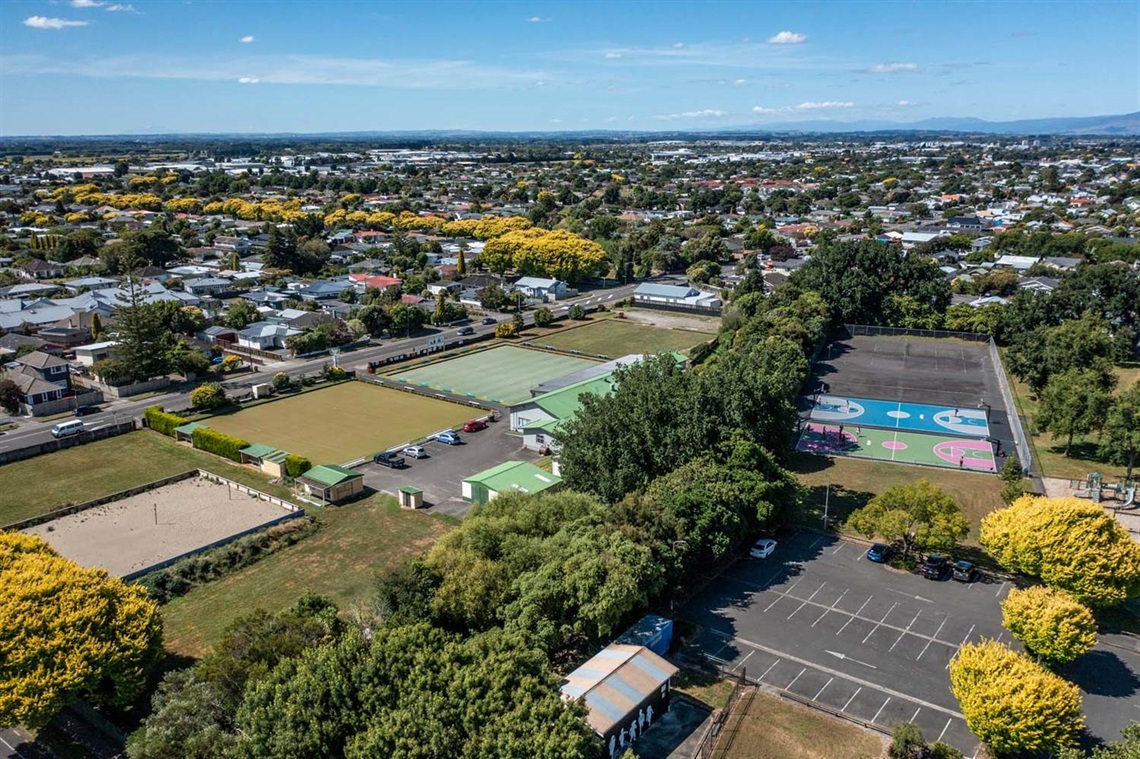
440	475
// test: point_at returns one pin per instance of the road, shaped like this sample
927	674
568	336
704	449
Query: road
31	432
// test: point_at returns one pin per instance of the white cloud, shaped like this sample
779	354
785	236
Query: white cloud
85	4
810	106
248	80
556	121
678	45
762	109
611	119
707	113
904	103
246	39
612	54
739	82
122	8
894	68
43	22
788	38
536	20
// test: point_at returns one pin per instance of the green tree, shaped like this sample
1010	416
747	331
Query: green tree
68	632
1070	544
492	297
1051	624
240	314
917	516
142	341
1120	438
576	313
147	247
1038	352
1128	747
907	742
1075	402
1014	705
461	265
208	396
543	317
10	396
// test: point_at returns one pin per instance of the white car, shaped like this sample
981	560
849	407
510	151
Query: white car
415	452
763	548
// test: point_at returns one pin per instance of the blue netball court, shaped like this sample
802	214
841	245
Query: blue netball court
914	417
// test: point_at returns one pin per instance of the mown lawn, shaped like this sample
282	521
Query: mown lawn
769	727
354	544
617	337
44	483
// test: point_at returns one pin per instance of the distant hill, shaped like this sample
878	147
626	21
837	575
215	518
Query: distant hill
1127	124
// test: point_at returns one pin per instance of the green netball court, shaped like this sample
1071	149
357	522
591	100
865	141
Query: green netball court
896	445
504	374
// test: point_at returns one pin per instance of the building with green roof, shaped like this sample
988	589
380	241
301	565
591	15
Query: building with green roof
331	483
538	419
510	476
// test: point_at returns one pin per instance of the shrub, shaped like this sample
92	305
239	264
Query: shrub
212	441
230	363
1050	623
543	317
281	381
208	396
162	421
335	373
576	312
296	465
506	329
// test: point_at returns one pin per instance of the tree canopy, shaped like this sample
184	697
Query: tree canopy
1074	402
917	516
1120	436
543	253
1050	623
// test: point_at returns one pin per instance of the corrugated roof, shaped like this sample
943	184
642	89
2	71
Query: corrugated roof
258	450
515	475
189	428
615	681
330	474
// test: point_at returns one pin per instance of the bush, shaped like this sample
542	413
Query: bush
543	317
576	312
162	421
281	381
212	441
907	741
208	396
335	373
229	363
506	329
296	465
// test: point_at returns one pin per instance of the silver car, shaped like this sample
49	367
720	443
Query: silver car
415	452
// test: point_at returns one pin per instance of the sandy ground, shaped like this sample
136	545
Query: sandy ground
124	536
671	320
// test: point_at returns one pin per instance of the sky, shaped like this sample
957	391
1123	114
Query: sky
72	67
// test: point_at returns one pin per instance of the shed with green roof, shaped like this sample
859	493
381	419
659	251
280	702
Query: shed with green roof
331	483
510	476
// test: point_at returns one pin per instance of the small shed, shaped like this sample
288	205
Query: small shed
185	433
520	476
266	458
331	483
411	498
651	631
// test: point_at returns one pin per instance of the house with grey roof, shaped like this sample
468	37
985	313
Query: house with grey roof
688	298
266	336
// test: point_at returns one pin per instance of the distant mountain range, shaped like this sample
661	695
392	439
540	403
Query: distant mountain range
1127	124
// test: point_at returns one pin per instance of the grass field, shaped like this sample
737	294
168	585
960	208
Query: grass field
855	481
619	337
769	727
341	423
44	483
504	374
354	544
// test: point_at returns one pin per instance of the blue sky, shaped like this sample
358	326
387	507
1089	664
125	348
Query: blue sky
105	66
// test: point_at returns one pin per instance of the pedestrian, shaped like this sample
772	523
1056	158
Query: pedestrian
841	431
961	461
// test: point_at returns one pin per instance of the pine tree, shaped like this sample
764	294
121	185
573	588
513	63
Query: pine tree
461	265
142	342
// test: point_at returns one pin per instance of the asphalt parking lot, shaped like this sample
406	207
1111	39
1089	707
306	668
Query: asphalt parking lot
440	475
818	620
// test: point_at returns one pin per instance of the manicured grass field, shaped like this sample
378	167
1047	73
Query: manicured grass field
355	544
39	485
503	374
341	423
769	727
619	337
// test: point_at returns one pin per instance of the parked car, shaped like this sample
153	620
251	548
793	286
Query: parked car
880	553
490	320
935	567
474	425
415	452
448	438
964	571
466	331
763	548
390	459
86	410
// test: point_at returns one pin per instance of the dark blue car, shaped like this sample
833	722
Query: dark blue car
880	553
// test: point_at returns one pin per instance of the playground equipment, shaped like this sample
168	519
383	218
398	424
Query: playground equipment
1096	489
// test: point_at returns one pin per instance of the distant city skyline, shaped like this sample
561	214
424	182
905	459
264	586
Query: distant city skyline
73	67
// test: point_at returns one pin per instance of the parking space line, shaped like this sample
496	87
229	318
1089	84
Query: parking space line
947	727
769	606
773	664
999	590
876	627
793	682
838	548
821	690
914	716
741	662
971	632
931	640
830	608
816	542
904	632
855	615
884	706
853	695
805	603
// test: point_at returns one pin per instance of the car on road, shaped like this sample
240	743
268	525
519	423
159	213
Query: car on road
474	425
762	548
86	410
465	331
935	567
490	320
964	571
880	553
415	452
448	438
66	429
389	459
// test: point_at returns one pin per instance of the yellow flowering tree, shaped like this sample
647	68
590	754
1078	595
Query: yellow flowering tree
1051	624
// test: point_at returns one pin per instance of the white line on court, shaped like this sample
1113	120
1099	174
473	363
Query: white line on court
876	627
904	632
821	690
928	642
884	706
853	695
853	616
793	682
830	608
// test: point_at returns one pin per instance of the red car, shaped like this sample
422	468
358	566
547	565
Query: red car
474	425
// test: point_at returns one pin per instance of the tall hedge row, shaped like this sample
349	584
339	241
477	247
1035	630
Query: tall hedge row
296	465
212	441
162	421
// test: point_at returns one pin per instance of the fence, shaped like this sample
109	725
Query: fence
220	480
741	693
57	444
137	388
1020	441
81	398
864	329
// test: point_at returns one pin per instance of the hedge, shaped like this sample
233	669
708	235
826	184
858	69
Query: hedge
162	421
212	441
296	465
180	578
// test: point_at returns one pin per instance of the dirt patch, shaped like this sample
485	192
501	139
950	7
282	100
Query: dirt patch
667	320
138	532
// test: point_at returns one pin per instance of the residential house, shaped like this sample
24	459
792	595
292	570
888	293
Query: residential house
90	283
206	286
37	269
543	289
89	354
324	290
265	336
673	296
46	367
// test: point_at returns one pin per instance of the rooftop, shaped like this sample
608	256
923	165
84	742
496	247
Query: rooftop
515	475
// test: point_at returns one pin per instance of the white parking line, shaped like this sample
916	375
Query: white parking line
904	632
971	632
805	603
914	716
947	727
876	627
999	590
930	641
884	706
853	616
793	682
773	664
816	542
741	662
821	690
839	548
853	695
830	608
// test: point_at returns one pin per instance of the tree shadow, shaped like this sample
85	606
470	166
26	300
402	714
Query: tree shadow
1102	673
